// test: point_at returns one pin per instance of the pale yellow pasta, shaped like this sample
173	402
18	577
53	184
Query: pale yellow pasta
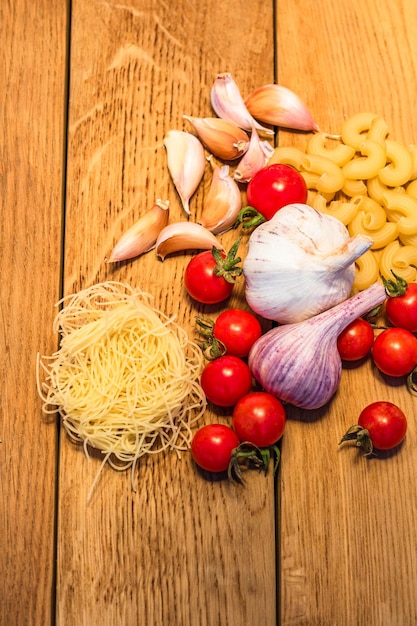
368	165
125	379
402	209
408	240
352	187
411	189
381	236
354	129
376	189
368	182
288	156
412	148
378	130
400	259
367	271
330	179
374	216
399	165
339	152
343	211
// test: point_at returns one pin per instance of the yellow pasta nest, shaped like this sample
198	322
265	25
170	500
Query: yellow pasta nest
369	182
125	377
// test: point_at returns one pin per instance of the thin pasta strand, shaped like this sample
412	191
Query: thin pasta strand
125	377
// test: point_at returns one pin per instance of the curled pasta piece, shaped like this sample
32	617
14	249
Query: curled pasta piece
401	208
373	215
339	153
400	259
330	176
287	155
378	130
411	189
367	271
354	187
377	189
343	211
398	171
408	240
355	128
412	149
367	166
381	236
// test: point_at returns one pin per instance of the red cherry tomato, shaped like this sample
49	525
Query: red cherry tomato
212	446
402	310
237	330
356	340
201	282
386	424
259	418
275	186
395	352
225	380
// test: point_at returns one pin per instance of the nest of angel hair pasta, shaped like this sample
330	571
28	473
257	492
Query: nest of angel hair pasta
125	377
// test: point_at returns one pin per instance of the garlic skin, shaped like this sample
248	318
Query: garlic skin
222	138
279	106
256	157
142	236
300	363
223	201
300	263
182	236
186	163
228	104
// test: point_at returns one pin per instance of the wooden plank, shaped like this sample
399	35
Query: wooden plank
348	532
181	550
32	105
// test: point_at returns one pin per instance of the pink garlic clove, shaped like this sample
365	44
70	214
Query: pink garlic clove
279	106
228	104
223	203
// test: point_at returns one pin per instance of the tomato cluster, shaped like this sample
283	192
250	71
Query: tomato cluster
394	350
258	418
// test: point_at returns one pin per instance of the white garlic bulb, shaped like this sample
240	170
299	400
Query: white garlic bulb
300	263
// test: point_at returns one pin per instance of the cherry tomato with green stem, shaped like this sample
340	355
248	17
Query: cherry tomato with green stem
210	276
401	310
238	330
356	340
233	332
275	186
225	380
395	352
212	447
381	425
259	418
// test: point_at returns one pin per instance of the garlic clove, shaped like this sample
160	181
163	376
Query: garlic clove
221	137
279	106
228	104
181	236
223	202
186	163
142	236
256	157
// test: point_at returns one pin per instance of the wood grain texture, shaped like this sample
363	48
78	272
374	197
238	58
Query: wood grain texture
348	533
32	109
181	550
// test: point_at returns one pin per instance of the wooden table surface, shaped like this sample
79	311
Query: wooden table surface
88	91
